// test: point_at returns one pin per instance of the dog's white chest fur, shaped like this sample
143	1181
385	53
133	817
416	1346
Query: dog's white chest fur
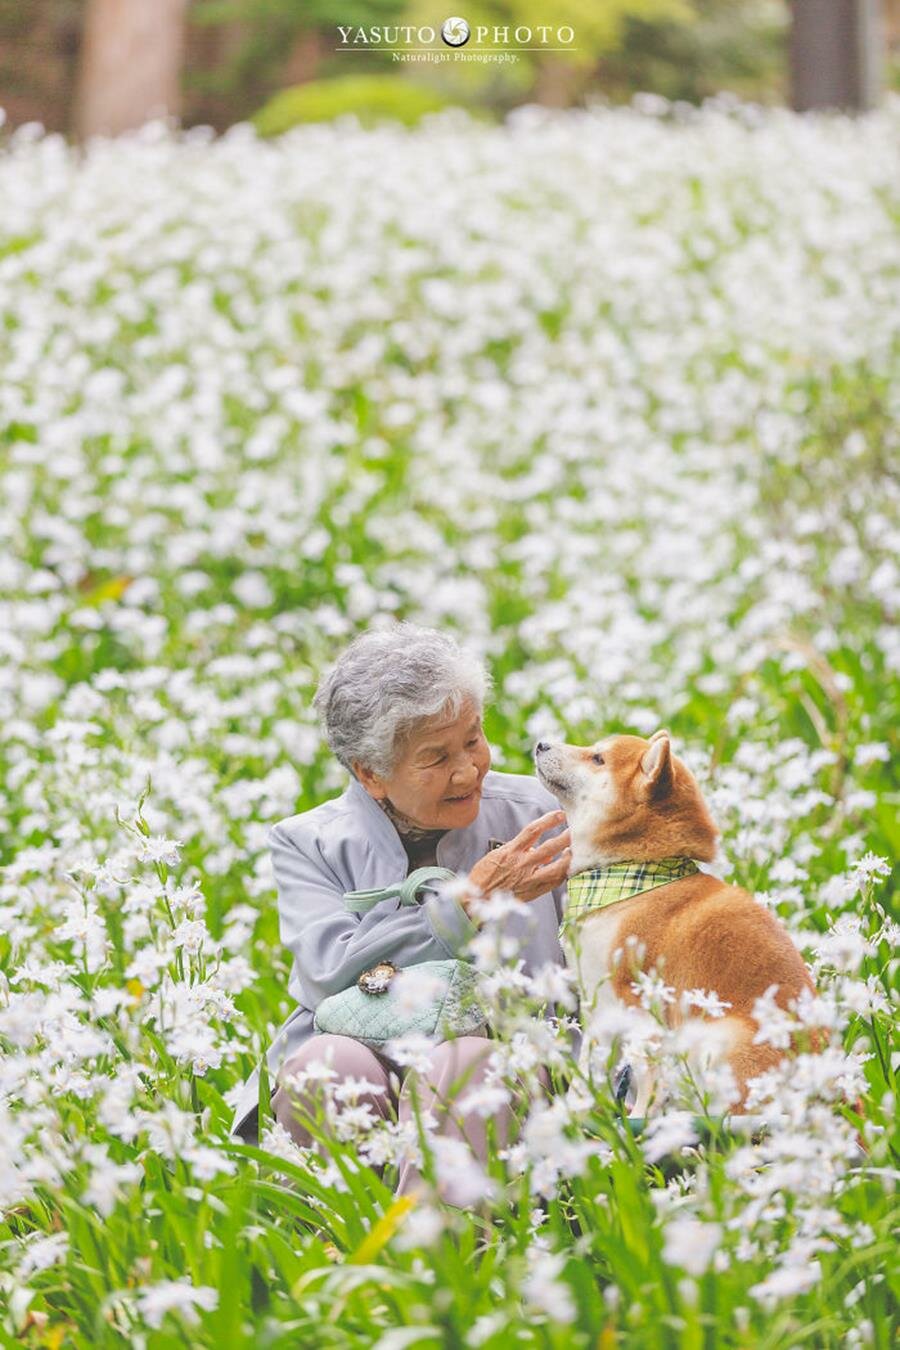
589	946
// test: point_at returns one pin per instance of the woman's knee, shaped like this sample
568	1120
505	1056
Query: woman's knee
455	1064
342	1055
464	1052
327	1060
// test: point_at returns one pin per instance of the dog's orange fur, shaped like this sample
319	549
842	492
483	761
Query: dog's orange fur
697	932
700	933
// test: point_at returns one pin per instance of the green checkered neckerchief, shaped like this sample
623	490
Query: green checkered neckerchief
601	886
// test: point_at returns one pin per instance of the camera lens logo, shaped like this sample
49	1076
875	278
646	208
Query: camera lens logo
455	32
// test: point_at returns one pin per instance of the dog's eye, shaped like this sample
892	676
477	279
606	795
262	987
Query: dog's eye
598	759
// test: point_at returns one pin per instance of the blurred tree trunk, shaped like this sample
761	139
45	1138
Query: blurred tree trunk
836	54
558	83
304	59
130	64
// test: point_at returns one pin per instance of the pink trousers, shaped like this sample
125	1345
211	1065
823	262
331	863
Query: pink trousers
461	1059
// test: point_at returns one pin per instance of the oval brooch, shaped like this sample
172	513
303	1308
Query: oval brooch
376	980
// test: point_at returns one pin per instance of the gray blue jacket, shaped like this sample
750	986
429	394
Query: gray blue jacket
350	844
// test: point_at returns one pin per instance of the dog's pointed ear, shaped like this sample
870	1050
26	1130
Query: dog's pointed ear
656	763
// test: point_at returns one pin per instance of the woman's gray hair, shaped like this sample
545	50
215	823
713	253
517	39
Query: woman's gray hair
386	682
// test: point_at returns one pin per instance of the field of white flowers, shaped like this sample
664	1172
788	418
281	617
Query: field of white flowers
612	395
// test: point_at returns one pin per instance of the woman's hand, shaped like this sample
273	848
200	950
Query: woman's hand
522	865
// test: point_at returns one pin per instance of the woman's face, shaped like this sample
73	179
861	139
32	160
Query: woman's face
442	760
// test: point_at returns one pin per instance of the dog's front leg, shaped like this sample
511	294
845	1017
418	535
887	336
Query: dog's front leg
647	1077
588	960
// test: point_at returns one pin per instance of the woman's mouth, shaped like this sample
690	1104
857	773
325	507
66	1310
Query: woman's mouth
468	797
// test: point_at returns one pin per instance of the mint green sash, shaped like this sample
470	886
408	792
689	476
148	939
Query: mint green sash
360	902
376	1019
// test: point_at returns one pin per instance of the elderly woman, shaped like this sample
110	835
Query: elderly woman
402	711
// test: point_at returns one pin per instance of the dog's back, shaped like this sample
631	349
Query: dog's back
701	933
631	801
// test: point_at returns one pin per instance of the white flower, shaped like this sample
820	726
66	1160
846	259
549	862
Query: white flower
837	890
668	1133
553	984
155	1301
844	945
413	1050
253	591
460	1176
785	869
817	1010
170	1130
107	1180
208	1162
485	1099
691	1243
348	1089
413	989
190	934
785	1282
84	926
42	1251
486	1326
351	1121
544	1290
421	1228
633	1026
276	1139
147	967
706	1001
652	990
105	1001
314	1071
775	1026
872	753
156	848
870	867
863	996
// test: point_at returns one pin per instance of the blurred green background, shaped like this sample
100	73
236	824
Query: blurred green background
226	60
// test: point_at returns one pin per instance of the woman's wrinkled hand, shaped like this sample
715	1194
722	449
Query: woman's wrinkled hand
524	866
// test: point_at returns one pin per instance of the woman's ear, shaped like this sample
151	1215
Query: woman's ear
374	785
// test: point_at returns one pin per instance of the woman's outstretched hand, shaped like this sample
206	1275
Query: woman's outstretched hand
524	866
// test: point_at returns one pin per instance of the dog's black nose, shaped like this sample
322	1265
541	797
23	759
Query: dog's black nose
542	745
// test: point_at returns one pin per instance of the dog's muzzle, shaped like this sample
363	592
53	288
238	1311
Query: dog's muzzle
549	769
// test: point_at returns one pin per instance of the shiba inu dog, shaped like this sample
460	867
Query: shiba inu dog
638	902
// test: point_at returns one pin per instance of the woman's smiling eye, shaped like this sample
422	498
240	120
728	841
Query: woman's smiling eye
598	758
473	740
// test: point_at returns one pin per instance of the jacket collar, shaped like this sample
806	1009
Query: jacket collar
452	848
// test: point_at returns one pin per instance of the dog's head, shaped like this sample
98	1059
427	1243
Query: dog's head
627	799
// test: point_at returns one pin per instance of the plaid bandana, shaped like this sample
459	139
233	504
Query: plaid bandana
601	886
